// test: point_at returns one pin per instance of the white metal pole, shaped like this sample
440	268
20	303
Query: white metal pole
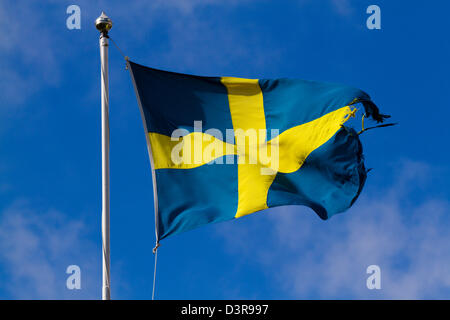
104	24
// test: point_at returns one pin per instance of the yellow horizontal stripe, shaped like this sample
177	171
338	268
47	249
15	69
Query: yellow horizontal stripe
295	144
190	151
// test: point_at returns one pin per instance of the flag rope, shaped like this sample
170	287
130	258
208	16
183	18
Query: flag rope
118	49
154	275
155	252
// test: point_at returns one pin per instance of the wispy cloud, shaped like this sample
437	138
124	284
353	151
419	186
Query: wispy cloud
409	240
35	46
342	7
35	249
28	57
198	36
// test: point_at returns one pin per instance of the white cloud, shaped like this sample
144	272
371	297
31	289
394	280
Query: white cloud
35	249
197	36
398	228
35	45
342	7
27	52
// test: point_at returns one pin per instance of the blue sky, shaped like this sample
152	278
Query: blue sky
50	183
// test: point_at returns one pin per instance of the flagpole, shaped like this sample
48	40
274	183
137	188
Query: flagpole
104	24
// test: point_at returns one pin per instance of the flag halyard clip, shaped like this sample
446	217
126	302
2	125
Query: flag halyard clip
156	247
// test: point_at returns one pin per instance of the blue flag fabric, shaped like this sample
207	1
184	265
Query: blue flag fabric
225	147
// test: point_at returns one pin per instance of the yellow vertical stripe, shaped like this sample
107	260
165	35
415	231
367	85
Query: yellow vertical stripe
247	113
246	103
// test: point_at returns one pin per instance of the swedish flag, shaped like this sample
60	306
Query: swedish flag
224	147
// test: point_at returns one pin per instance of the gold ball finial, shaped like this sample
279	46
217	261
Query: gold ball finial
103	23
